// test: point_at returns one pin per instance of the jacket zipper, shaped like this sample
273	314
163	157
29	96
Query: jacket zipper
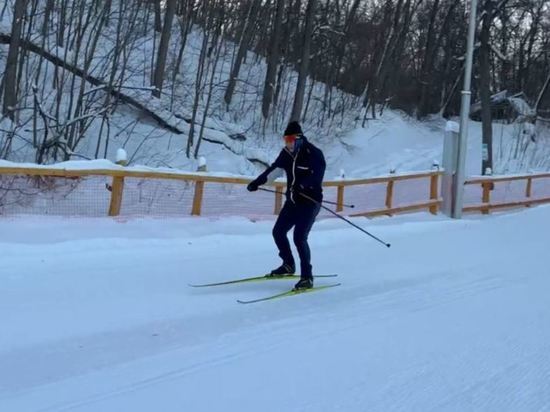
293	174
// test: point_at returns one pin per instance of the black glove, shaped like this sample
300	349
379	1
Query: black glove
252	186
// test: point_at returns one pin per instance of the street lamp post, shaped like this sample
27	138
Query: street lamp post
458	187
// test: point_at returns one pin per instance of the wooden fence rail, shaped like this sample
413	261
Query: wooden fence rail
489	184
535	191
431	200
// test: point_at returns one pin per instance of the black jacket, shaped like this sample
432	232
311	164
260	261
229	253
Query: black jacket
304	172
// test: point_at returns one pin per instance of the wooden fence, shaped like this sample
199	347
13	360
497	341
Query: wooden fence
372	197
502	192
130	192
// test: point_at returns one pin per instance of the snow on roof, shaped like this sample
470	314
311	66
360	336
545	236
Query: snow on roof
521	106
517	101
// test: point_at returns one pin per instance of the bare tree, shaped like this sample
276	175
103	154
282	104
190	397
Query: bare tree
543	90
199	79
213	62
10	77
484	87
4	8
82	56
158	15
273	58
245	37
526	53
304	63
427	62
158	78
185	20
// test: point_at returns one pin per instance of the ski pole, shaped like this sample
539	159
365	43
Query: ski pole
324	201
344	219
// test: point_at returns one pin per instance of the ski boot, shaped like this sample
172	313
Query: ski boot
304	283
285	269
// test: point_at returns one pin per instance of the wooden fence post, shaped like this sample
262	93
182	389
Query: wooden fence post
486	196
433	192
529	189
389	195
278	199
116	195
197	199
340	198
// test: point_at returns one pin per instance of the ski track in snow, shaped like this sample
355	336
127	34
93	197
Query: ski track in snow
417	327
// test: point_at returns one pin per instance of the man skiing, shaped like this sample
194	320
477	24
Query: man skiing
304	165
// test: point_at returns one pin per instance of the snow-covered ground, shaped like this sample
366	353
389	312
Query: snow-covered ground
97	315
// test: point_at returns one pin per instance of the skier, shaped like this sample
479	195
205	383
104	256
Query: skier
304	165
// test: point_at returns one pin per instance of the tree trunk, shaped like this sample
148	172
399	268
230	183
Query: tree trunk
158	15
3	10
506	65
273	59
388	79
244	42
372	91
427	63
484	88
533	32
61	24
542	92
304	64
158	78
209	97
10	77
185	26
334	72
198	91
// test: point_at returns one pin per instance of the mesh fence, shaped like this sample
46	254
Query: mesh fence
504	192
541	188
366	198
165	197
412	191
472	195
508	191
221	199
48	195
157	197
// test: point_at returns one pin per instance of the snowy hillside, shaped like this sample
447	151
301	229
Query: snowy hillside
236	139
98	316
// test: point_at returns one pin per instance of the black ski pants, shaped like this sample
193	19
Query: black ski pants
301	217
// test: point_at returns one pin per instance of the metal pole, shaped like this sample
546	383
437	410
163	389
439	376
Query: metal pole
324	201
344	219
464	116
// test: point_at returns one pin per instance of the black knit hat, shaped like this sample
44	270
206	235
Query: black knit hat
293	128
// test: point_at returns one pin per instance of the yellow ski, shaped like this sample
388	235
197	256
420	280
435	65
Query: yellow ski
290	293
256	279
